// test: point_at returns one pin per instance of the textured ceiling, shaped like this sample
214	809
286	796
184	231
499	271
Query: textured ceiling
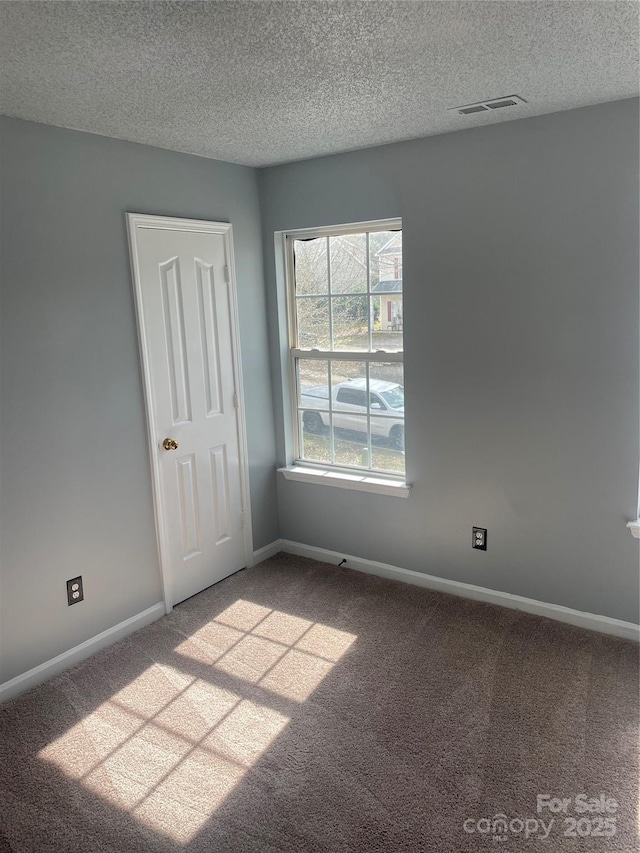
270	82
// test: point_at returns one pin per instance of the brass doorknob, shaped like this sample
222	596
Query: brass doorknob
170	444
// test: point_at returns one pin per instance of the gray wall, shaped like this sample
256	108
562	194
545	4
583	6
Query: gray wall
521	353
76	488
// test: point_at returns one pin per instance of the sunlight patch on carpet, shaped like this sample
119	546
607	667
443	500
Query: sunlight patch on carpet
169	747
285	654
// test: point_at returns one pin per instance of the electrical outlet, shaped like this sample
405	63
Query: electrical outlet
479	541
75	593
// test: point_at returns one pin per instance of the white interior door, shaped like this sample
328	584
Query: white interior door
187	320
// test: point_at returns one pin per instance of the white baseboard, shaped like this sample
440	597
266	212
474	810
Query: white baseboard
603	624
78	653
592	621
269	550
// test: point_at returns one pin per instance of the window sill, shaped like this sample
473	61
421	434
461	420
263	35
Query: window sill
634	527
357	482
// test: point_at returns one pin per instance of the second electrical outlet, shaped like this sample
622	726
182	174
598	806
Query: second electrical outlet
479	541
75	593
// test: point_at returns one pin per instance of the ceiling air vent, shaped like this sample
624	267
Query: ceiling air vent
465	111
493	104
507	102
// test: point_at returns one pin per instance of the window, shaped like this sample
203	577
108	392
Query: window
345	321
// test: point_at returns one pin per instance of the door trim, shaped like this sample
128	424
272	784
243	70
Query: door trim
141	221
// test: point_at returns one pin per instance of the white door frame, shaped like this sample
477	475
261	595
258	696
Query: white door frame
225	230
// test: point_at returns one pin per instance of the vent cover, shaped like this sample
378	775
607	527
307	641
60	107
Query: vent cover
465	111
496	105
493	104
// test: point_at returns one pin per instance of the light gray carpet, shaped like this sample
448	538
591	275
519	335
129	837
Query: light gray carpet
303	708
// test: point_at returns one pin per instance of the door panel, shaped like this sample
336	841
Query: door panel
209	340
175	340
189	508
220	477
186	321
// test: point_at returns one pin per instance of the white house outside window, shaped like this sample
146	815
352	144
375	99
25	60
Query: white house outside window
346	328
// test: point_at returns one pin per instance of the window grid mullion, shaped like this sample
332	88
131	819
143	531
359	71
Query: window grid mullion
322	295
368	399
331	442
295	384
380	356
329	293
332	448
369	302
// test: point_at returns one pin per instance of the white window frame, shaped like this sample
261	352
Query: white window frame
302	469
